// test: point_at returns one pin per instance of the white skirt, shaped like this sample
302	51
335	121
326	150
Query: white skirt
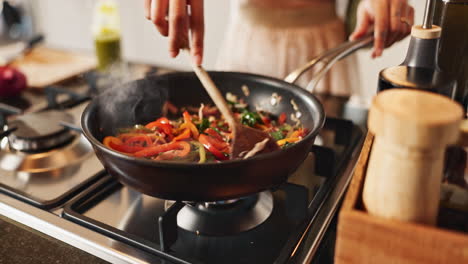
274	42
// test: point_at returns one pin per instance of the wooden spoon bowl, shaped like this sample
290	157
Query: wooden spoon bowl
246	141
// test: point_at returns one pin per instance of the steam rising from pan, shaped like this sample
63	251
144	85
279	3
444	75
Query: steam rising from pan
127	103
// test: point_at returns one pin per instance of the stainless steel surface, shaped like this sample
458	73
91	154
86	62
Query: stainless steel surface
234	218
428	14
40	131
329	58
80	237
46	176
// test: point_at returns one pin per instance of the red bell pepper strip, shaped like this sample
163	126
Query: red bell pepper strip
117	144
266	120
109	139
217	143
282	118
207	143
162	123
213	133
183	146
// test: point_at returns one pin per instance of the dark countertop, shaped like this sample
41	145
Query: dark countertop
21	244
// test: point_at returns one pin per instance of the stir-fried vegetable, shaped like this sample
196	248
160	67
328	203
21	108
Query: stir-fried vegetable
277	135
251	118
204	124
200	135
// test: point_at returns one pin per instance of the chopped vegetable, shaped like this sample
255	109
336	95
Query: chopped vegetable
201	151
277	135
287	145
200	112
201	135
162	123
139	140
183	135
183	146
204	124
251	118
282	118
214	133
188	124
287	140
209	143
117	144
245	90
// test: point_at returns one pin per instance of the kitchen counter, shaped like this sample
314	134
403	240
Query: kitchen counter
21	244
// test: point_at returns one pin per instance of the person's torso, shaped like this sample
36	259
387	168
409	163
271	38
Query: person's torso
285	13
284	3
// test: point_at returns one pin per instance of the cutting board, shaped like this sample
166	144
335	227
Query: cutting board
45	66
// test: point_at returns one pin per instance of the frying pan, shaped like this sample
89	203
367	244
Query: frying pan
142	101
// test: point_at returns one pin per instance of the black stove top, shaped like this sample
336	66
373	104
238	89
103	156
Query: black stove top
271	227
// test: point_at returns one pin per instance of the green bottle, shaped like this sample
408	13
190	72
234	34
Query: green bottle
106	35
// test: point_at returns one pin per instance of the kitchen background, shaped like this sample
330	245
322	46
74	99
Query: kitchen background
67	23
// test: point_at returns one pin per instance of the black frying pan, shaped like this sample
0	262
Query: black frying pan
141	102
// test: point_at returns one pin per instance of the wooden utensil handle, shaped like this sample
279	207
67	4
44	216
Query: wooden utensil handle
214	93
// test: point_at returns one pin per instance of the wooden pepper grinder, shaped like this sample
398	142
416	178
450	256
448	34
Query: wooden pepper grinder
412	129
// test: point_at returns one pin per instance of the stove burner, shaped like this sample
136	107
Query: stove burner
40	131
51	163
226	218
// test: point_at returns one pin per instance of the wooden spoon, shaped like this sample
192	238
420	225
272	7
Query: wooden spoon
244	138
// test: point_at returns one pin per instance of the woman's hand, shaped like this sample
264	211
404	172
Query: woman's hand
391	20
173	19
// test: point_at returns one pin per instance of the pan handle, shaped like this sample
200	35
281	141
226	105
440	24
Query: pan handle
329	58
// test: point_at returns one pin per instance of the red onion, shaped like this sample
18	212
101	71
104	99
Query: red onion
12	82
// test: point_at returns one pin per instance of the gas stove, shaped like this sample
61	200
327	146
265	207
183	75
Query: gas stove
51	180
